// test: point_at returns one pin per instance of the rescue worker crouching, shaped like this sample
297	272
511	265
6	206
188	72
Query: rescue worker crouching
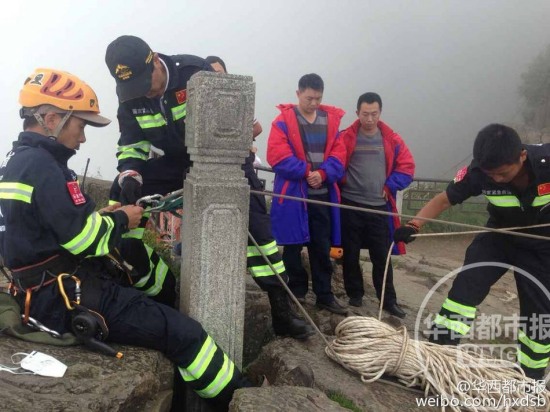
49	227
515	179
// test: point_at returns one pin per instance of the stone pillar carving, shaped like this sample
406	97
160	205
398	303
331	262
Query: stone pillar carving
220	112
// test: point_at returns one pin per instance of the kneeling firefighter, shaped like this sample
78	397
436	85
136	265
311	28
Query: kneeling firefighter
57	245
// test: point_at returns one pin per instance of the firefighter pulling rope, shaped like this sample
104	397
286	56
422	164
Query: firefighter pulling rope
372	348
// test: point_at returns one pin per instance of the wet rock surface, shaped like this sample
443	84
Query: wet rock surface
142	380
286	362
283	398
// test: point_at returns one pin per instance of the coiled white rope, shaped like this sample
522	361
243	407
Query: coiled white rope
372	348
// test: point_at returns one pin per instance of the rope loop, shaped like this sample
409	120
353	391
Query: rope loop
370	347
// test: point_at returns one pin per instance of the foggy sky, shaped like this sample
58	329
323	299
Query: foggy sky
444	68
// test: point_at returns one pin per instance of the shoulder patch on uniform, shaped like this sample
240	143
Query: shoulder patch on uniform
543	189
76	195
460	174
181	96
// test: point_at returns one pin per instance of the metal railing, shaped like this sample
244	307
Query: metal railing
422	190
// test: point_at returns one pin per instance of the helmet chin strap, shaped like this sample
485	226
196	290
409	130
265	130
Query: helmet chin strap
55	132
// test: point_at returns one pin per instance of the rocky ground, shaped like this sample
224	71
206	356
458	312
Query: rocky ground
301	376
427	261
287	362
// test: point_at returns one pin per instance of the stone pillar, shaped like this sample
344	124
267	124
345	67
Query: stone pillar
220	112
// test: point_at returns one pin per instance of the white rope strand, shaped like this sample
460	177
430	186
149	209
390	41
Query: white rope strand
504	231
382	294
372	348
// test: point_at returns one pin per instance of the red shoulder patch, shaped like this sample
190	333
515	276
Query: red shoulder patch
76	194
181	96
460	174
543	189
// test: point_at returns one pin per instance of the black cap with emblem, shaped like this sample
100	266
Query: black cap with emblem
130	62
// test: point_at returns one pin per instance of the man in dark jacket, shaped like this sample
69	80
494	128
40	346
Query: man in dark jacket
515	179
59	249
153	95
152	91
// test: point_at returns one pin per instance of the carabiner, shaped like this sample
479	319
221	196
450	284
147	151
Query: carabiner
151	200
33	323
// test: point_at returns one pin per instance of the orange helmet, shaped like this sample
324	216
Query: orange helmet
63	90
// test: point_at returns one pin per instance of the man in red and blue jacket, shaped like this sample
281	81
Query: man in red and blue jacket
378	164
308	159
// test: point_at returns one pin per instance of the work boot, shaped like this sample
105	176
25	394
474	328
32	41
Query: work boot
395	310
333	307
443	336
284	320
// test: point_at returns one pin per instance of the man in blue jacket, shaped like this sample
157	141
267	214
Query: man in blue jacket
308	159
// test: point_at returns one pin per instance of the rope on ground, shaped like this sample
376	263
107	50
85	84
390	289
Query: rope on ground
290	294
372	348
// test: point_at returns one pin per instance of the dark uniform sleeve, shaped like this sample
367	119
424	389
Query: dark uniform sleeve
142	123
141	130
78	227
467	183
133	145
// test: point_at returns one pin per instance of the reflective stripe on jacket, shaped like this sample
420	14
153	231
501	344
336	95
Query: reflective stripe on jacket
507	207
159	122
42	211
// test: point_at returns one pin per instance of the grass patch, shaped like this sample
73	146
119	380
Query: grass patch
343	401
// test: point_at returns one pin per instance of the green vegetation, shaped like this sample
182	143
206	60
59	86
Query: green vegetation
343	401
472	212
98	190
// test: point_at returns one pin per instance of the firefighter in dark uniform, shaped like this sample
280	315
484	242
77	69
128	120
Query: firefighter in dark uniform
284	320
59	248
152	91
515	179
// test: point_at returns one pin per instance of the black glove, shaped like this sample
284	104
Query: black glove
405	234
130	191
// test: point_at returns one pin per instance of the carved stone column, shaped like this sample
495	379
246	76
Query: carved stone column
220	112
